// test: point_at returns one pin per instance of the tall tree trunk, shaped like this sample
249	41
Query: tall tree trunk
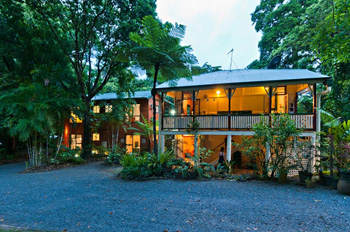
47	146
59	144
154	92
87	132
117	136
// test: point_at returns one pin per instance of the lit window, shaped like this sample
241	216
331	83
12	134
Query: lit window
108	108
96	109
133	143
136	113
76	141
74	118
95	137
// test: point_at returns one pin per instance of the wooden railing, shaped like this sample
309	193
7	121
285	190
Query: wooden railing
303	121
212	121
245	122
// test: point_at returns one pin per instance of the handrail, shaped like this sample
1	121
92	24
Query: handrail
218	146
219	122
233	114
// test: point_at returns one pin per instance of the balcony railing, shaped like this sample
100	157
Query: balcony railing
234	122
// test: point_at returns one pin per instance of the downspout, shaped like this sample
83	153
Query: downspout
318	121
318	113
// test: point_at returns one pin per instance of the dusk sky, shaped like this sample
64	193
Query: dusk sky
213	28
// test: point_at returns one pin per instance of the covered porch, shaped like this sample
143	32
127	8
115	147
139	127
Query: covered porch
236	108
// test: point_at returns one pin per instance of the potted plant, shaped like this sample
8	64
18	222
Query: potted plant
309	183
343	160
344	182
322	167
306	153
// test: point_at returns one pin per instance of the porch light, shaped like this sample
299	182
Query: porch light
218	92
172	112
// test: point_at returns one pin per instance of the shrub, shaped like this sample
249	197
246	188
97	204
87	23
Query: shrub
135	167
68	156
99	151
114	155
280	136
138	166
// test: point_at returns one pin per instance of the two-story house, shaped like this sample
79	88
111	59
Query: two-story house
228	103
108	132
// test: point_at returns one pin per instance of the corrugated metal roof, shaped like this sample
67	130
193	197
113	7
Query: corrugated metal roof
247	77
111	96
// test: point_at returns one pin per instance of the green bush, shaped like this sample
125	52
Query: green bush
138	166
146	165
114	155
68	156
135	167
99	151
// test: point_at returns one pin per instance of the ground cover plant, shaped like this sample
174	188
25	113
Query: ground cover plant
167	165
280	137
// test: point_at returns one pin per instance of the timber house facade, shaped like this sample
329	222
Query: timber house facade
228	103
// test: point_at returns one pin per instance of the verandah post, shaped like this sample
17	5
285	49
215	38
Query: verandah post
270	104
229	145
314	106
229	109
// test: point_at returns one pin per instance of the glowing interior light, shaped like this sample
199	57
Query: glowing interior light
218	92
172	112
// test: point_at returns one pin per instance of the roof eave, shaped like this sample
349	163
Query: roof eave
246	84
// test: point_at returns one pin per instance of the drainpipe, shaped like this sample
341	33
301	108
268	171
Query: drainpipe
318	118
318	113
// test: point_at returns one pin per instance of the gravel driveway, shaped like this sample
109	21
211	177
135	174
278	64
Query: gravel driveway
88	198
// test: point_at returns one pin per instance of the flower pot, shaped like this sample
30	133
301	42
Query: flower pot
309	184
344	183
331	181
283	177
303	175
322	178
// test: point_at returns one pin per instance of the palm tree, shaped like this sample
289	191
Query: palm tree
158	51
145	129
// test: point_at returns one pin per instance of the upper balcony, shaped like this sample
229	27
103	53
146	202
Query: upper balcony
225	103
233	122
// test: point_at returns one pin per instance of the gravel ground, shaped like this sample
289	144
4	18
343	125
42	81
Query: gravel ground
89	198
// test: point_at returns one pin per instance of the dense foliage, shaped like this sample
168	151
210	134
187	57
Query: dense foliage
60	55
280	138
91	35
166	165
157	49
312	34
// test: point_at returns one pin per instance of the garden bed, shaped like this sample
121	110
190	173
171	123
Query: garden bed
46	168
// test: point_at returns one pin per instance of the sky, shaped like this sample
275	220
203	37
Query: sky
214	27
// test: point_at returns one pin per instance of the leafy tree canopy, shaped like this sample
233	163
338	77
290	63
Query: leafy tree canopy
157	49
92	34
311	34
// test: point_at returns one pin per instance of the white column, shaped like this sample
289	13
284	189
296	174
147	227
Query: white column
229	146
318	118
268	152
313	161
160	135
161	143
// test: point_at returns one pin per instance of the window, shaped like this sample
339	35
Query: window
108	108
95	137
96	109
76	141
133	143
74	118
136	113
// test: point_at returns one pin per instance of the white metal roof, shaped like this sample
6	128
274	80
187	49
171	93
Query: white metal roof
246	77
112	96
